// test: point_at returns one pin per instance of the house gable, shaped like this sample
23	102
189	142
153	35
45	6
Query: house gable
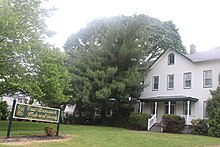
166	53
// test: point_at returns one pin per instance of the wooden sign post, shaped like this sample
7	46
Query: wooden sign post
11	118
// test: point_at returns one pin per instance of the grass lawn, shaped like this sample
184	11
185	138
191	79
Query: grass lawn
96	136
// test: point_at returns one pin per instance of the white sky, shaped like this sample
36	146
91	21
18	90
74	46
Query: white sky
198	20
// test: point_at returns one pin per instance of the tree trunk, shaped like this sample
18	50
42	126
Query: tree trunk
80	110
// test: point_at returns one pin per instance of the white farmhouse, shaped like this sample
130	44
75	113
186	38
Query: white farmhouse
18	97
180	84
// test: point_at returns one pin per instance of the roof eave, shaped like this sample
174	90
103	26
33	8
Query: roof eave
167	99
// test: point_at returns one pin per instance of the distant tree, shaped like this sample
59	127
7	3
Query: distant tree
3	110
108	59
21	27
49	80
213	109
27	64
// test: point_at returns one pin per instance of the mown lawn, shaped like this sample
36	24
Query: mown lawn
96	136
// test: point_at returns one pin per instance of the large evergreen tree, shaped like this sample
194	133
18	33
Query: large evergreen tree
213	109
108	59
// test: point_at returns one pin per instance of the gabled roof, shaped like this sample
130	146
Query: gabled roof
213	54
167	51
210	55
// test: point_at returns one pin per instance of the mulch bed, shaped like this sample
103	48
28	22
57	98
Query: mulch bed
30	138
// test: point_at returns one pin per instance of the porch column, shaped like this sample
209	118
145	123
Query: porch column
155	107
188	105
169	104
140	107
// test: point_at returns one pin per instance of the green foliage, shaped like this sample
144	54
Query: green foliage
22	27
172	123
213	108
121	115
108	59
200	126
51	81
49	131
27	64
3	110
138	121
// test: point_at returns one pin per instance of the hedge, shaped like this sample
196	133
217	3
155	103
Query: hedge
172	123
138	121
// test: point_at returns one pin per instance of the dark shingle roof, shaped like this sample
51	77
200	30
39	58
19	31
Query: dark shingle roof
213	54
168	98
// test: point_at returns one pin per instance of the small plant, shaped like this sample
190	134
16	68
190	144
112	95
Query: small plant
172	123
138	121
200	126
49	130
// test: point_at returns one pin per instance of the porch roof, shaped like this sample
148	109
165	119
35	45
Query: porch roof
168	98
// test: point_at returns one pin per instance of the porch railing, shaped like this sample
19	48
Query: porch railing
151	121
188	119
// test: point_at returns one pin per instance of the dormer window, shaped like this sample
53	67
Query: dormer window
171	59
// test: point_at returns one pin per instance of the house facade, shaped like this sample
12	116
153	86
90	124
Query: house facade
180	84
18	97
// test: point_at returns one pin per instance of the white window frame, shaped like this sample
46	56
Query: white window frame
171	59
205	78
187	77
153	88
168	82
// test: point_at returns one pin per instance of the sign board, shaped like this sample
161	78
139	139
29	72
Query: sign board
30	112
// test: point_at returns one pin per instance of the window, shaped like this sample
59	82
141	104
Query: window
20	100
207	78
171	59
170	82
205	112
185	108
187	80
155	82
172	107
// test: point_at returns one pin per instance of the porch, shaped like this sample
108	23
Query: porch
160	105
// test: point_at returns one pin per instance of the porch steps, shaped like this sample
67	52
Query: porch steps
156	127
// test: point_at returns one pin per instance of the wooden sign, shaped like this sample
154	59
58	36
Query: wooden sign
30	112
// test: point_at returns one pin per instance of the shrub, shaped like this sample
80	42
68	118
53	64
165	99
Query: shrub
69	119
200	126
120	117
3	110
172	123
138	121
49	131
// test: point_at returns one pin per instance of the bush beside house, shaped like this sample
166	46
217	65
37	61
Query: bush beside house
200	126
172	123
138	121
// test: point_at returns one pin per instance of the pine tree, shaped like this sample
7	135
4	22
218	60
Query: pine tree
213	109
108	59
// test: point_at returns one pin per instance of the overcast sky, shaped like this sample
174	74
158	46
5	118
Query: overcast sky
198	20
